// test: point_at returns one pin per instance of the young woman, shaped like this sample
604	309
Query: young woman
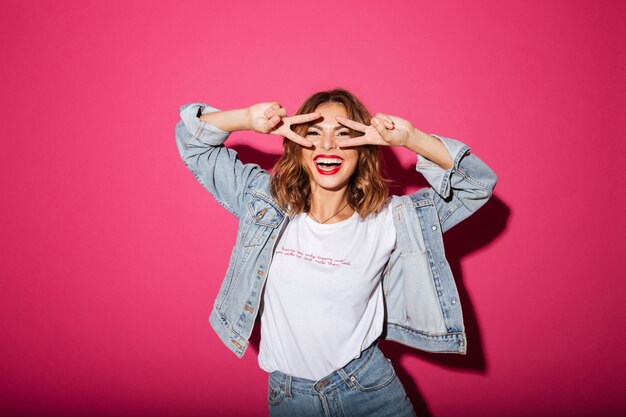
328	261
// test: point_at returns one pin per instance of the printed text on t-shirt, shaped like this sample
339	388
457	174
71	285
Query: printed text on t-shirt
311	257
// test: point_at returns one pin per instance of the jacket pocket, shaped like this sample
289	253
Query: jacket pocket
262	217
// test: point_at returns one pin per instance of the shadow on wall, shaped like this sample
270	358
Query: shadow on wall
471	234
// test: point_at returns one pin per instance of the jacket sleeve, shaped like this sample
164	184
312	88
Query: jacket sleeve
460	190
217	168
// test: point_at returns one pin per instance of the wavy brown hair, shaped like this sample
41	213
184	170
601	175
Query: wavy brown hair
291	184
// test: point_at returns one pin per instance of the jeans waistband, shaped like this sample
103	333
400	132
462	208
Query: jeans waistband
330	381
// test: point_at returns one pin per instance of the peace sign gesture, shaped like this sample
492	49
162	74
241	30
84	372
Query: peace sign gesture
386	130
272	118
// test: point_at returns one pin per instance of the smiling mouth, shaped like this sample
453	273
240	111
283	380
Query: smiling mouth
328	164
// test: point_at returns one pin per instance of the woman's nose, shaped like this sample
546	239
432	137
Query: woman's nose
327	142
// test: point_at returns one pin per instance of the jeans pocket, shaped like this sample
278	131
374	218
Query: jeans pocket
377	374
275	392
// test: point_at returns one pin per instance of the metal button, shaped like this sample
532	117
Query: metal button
261	213
260	272
442	264
352	378
453	301
434	227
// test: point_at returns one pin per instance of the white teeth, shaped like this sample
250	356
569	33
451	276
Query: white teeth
328	161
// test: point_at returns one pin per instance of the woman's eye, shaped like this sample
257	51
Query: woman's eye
344	133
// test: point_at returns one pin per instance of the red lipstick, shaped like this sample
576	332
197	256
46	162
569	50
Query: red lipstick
329	171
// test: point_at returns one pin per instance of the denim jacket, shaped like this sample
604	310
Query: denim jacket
421	299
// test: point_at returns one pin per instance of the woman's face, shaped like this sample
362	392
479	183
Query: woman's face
330	166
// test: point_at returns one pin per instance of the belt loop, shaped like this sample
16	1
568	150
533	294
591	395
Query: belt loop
349	380
288	386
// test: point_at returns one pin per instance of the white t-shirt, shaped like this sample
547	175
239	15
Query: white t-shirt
323	300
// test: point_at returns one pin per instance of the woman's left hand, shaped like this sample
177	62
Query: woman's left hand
386	130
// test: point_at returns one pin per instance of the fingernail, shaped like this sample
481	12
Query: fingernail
375	121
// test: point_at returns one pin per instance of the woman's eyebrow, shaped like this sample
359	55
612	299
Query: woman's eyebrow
337	127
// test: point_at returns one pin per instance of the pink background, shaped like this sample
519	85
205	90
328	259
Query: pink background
112	253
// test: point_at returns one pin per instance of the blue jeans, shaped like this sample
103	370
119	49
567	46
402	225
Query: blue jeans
366	386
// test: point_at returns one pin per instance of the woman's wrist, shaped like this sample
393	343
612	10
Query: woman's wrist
415	140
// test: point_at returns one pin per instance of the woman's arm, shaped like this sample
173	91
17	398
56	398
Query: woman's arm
263	118
471	186
460	182
461	189
200	137
217	168
229	120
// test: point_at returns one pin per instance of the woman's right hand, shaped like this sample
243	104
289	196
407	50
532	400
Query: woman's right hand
272	118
